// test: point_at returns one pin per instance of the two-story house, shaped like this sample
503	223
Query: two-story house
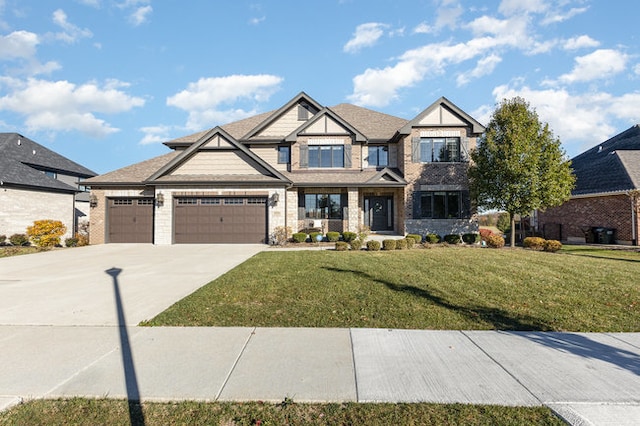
302	166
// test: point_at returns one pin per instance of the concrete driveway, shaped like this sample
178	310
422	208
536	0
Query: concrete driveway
78	286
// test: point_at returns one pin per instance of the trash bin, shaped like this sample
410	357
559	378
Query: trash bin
603	235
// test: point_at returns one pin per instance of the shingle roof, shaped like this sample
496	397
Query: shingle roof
22	161
613	165
374	125
346	178
135	173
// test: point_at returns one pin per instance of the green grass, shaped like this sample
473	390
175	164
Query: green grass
441	288
115	412
9	251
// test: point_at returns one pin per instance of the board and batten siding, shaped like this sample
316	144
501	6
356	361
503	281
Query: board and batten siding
216	163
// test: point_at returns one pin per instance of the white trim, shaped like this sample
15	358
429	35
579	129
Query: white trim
325	141
440	134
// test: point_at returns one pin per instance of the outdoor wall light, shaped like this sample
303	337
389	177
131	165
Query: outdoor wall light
93	200
275	198
160	199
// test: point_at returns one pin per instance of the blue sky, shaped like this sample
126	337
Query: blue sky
104	82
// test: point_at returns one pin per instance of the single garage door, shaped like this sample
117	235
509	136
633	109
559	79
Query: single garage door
220	220
130	220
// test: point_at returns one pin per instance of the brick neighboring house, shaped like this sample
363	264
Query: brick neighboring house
303	166
37	183
604	206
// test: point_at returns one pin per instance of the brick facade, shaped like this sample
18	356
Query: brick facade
574	220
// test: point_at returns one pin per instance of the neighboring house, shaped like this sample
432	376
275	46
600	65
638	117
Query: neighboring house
37	183
604	206
303	166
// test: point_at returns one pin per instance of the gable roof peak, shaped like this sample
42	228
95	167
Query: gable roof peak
476	127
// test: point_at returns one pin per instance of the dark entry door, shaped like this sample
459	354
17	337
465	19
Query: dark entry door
380	213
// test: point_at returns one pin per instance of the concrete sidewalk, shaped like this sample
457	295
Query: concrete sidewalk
586	378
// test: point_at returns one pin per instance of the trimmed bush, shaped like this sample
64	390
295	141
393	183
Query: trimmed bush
452	239
552	246
314	236
389	244
71	242
46	233
19	240
349	236
533	243
401	244
3	240
410	242
417	238
299	237
373	245
484	233
471	238
332	236
356	244
342	246
495	241
432	238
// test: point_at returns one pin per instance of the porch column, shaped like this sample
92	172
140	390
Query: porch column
292	210
353	209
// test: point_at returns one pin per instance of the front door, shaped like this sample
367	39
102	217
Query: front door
379	213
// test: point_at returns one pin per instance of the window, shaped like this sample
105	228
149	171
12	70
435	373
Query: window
233	201
437	150
187	201
145	202
210	201
323	206
51	174
378	156
257	201
439	205
326	156
303	112
123	202
284	154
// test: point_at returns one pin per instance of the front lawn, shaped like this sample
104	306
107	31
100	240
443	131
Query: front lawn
113	412
441	288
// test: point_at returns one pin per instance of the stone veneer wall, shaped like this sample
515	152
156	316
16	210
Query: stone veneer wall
578	215
21	207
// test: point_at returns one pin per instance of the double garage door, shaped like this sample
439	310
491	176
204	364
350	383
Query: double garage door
196	220
220	219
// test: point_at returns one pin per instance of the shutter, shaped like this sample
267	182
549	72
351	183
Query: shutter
416	205
301	210
347	156
415	150
466	204
464	149
304	156
344	203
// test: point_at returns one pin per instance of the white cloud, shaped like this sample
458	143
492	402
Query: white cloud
423	28
18	44
636	69
71	33
555	17
155	134
601	64
204	98
92	3
484	67
140	15
256	21
448	16
518	7
579	120
581	42
63	106
366	35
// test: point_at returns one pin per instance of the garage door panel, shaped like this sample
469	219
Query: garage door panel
130	220
220	220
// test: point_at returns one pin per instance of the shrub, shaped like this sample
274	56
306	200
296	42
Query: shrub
314	236
485	233
389	244
299	237
349	236
401	244
19	240
504	221
552	246
495	241
71	242
356	244
452	239
471	238
373	245
342	246
533	243
47	232
3	239
363	232
432	238
410	242
333	236
279	236
417	238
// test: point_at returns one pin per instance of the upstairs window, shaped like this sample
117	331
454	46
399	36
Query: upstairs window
326	156
284	154
303	112
378	156
439	150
